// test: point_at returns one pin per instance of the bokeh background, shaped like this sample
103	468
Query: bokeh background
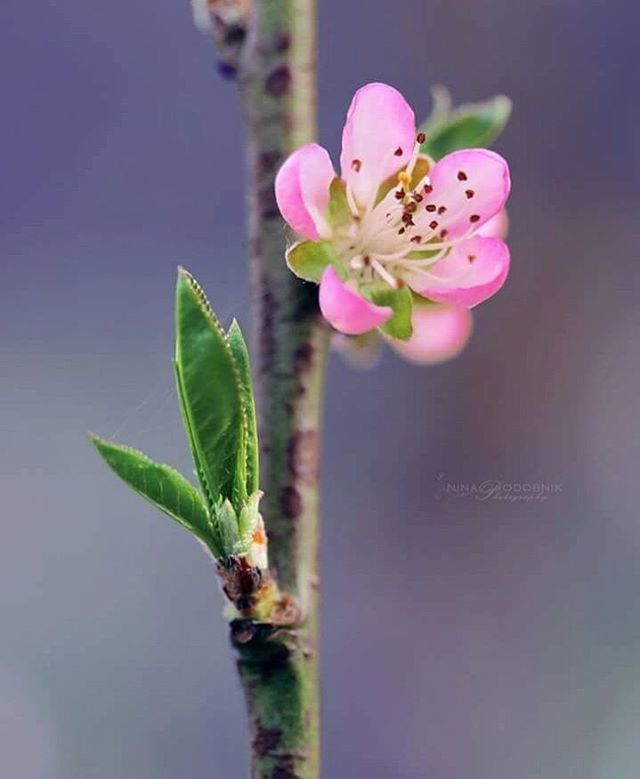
463	638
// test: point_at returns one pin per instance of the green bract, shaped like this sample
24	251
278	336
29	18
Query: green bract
213	379
468	126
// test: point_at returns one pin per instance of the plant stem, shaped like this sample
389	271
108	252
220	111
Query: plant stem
279	668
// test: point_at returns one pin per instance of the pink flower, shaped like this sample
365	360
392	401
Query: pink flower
393	221
440	332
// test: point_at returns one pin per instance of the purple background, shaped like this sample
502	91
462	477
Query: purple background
463	639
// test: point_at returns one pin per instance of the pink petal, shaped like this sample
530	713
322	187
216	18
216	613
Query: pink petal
440	333
302	190
496	227
467	188
472	272
377	140
345	309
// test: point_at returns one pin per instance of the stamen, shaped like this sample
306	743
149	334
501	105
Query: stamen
384	274
430	208
421	138
352	203
356	165
469	193
412	162
474	218
398	152
442	209
462	176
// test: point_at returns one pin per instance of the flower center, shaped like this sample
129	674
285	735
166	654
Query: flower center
381	236
403	230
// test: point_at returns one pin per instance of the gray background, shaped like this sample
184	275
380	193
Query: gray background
463	639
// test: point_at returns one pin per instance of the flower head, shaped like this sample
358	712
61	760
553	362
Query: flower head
394	227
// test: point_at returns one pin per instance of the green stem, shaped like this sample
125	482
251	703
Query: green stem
279	668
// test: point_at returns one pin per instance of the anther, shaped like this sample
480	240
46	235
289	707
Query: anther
469	193
399	194
398	151
471	257
442	209
430	208
416	239
418	197
356	165
428	189
421	138
433	224
474	218
444	234
462	176
410	208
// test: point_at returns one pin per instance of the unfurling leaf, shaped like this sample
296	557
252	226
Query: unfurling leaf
240	353
213	380
468	126
161	485
211	396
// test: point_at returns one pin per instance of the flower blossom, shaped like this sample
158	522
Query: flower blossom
395	228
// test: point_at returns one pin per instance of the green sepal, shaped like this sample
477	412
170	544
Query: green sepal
238	347
210	393
160	484
338	211
308	260
401	301
468	126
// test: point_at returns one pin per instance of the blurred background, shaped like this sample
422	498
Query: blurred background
463	638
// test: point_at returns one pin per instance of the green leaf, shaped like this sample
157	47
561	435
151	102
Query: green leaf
308	259
238	347
210	392
401	301
161	485
469	126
